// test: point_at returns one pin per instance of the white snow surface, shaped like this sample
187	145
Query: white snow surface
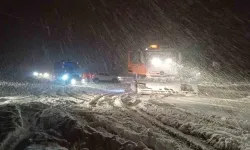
96	116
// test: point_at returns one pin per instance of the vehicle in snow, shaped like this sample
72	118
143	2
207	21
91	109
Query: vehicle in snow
155	62
158	68
67	72
42	75
86	77
97	77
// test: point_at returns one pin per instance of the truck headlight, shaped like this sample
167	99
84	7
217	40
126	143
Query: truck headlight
45	75
156	61
65	77
35	74
73	81
168	61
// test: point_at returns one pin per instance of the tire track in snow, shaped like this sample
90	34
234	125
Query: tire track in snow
12	99
191	141
196	138
108	99
131	127
94	101
219	137
157	133
124	103
226	108
71	94
126	109
221	99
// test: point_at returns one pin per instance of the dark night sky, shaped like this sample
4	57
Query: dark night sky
41	32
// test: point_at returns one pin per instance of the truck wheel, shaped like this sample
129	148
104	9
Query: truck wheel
67	82
141	76
96	80
115	80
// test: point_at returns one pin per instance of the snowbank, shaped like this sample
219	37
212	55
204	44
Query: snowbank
224	90
53	129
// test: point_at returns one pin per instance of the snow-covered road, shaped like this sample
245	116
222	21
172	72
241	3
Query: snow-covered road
109	117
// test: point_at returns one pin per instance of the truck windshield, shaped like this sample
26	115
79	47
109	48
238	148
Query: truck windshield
135	57
159	54
71	65
66	66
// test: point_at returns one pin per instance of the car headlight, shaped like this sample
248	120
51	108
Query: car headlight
168	61
35	73
73	81
156	61
45	75
65	77
83	80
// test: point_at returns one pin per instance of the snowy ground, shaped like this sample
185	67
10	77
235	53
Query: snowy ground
108	117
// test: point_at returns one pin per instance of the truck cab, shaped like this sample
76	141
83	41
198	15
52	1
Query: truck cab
67	70
154	61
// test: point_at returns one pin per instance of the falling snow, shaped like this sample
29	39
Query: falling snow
206	112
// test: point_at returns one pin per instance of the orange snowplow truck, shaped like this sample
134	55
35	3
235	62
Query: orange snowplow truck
154	61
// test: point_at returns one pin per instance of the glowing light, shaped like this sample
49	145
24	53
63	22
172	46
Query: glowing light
168	61
154	46
65	77
45	75
35	73
156	61
73	81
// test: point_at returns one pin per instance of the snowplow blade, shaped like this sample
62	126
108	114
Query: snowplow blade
162	87
153	88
